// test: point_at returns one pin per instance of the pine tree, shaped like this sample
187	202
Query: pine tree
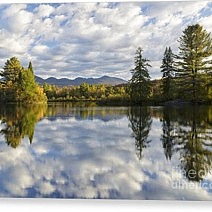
30	67
19	84
167	69
11	71
195	64
140	81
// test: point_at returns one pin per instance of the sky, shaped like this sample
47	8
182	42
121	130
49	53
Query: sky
95	39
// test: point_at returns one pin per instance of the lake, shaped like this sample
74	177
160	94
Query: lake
85	151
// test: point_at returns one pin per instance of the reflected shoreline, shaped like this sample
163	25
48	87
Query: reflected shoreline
186	131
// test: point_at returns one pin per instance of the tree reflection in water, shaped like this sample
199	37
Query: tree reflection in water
188	131
19	121
140	123
168	136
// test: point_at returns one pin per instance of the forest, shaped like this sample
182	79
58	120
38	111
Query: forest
186	77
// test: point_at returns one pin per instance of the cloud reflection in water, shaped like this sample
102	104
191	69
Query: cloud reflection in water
91	158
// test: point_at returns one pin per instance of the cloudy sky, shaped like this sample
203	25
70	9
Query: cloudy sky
95	39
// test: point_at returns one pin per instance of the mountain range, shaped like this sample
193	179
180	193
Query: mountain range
79	80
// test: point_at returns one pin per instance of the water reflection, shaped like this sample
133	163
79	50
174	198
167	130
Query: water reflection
188	131
84	111
105	152
140	123
168	136
19	121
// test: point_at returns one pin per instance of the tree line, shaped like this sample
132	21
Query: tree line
87	92
186	76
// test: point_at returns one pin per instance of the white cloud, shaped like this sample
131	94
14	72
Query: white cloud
95	39
44	11
16	19
205	22
40	49
14	9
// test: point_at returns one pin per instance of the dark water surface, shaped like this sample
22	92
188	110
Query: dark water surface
76	151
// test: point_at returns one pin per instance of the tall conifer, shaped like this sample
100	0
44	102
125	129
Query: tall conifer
140	81
195	64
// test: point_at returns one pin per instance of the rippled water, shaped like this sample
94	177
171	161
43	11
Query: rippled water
79	151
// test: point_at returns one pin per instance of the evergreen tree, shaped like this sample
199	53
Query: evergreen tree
19	84
11	71
140	81
167	69
194	66
31	68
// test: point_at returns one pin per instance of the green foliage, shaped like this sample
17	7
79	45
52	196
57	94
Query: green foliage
140	81
19	121
86	92
167	69
30	68
194	63
19	84
84	88
12	71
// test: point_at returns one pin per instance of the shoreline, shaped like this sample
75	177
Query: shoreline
171	103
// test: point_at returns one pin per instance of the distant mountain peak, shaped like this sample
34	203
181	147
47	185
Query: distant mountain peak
107	80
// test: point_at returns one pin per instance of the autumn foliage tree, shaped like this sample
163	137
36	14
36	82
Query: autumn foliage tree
18	84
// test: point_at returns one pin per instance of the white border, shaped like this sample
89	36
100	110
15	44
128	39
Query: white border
68	1
63	205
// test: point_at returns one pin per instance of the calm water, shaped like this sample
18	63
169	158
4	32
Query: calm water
76	151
